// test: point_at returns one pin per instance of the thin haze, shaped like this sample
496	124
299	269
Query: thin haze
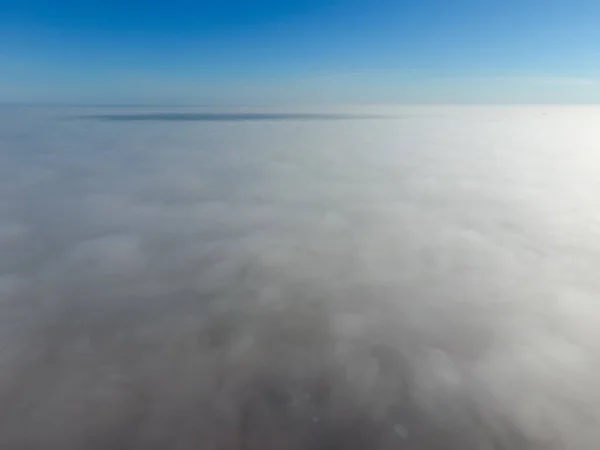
236	52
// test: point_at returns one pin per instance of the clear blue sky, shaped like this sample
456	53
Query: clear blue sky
290	51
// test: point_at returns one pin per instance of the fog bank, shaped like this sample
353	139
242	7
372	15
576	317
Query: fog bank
302	280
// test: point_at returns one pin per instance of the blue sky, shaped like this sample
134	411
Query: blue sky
307	51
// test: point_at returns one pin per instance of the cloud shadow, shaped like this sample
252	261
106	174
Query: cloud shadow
222	117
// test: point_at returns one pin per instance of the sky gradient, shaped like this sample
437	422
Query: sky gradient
312	51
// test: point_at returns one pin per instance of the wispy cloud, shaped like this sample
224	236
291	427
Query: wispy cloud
334	76
539	79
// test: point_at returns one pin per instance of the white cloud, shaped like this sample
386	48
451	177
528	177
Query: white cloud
300	284
554	80
539	79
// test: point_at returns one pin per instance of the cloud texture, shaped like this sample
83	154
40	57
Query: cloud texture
427	282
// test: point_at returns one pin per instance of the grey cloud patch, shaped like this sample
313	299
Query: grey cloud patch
225	117
427	284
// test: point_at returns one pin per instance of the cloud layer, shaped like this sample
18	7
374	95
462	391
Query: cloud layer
424	283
